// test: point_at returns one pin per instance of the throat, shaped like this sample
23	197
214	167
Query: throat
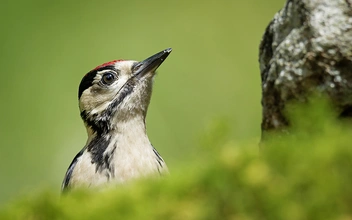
122	152
129	136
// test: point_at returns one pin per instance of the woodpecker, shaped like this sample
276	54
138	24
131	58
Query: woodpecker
113	102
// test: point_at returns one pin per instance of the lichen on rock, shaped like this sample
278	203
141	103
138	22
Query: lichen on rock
306	48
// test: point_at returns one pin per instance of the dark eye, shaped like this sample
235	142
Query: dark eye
108	78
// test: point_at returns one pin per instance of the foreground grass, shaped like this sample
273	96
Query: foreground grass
304	175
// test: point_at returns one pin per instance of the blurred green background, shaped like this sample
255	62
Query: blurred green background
47	47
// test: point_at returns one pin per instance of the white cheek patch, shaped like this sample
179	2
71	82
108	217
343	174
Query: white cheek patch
100	108
98	102
98	97
120	82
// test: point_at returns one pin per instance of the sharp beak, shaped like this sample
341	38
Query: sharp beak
151	63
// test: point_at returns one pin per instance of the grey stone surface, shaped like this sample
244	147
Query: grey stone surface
306	48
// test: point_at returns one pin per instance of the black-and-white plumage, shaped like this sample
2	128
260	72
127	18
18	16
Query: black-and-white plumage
113	100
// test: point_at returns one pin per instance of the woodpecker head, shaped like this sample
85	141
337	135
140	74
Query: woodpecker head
117	91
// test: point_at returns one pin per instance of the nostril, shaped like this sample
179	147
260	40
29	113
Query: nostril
136	67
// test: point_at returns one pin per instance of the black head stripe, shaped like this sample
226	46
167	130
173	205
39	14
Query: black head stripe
70	169
87	80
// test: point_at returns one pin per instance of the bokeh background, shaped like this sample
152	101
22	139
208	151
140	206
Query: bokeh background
46	47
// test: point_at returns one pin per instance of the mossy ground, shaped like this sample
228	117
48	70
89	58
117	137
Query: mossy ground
305	174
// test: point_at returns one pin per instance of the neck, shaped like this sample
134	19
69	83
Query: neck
133	126
125	138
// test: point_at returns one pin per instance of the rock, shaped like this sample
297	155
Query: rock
306	48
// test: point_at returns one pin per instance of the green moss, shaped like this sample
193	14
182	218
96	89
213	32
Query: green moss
305	174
